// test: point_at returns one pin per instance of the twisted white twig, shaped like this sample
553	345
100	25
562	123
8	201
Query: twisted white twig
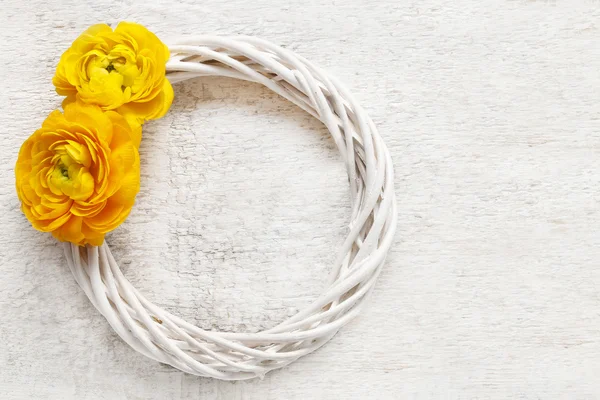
234	356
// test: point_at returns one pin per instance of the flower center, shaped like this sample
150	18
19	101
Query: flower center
64	170
69	174
113	76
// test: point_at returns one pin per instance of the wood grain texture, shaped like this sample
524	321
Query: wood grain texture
490	110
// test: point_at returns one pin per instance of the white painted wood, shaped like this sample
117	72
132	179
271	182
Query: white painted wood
491	112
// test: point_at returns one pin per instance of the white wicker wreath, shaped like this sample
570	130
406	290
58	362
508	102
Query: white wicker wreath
235	356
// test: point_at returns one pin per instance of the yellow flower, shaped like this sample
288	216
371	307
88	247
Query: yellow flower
122	70
78	175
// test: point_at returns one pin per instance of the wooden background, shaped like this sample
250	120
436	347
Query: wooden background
491	111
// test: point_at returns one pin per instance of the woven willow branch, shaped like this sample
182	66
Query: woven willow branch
234	356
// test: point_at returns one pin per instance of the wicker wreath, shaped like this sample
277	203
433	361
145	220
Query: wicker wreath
169	339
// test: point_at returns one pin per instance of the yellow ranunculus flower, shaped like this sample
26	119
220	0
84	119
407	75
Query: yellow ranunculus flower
78	175
122	70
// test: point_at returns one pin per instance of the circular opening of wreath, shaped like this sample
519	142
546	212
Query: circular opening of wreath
146	327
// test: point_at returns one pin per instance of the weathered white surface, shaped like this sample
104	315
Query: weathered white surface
490	109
